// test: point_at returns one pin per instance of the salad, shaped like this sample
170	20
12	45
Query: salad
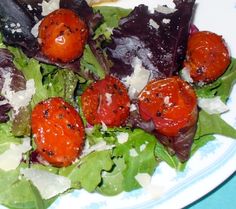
100	110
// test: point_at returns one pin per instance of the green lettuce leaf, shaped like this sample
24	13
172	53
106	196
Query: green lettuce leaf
213	124
111	16
87	173
50	81
89	62
138	154
112	181
222	86
17	193
6	137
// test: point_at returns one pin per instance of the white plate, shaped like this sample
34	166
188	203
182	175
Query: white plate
209	167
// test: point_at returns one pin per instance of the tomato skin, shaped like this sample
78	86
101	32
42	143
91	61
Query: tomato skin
62	35
207	56
171	103
106	101
58	131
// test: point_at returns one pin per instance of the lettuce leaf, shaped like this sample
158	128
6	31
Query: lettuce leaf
88	172
222	86
215	125
49	80
112	181
90	62
7	137
112	16
11	195
138	155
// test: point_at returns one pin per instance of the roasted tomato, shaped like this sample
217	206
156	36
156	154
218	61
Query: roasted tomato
58	131
62	35
207	56
106	101
170	103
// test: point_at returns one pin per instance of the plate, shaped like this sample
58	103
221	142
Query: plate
208	168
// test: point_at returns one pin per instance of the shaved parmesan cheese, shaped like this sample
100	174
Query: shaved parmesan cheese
133	152
143	147
35	29
20	98
165	10
89	130
139	78
166	100
122	137
185	75
144	179
108	98
166	21
48	184
92	2
100	146
11	158
212	105
48	7
153	24
132	107
104	127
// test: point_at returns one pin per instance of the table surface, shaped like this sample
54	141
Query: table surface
223	197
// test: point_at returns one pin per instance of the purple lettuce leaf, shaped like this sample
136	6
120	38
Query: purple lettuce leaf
159	39
16	23
4	109
181	144
18	81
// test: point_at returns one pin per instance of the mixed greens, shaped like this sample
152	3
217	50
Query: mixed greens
111	169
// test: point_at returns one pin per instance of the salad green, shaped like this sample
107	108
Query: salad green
113	169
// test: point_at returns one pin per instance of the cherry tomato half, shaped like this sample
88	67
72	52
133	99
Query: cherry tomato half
58	131
62	35
170	103
106	101
207	56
